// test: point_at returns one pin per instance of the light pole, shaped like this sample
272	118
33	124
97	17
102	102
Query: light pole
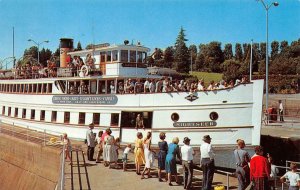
267	7
38	46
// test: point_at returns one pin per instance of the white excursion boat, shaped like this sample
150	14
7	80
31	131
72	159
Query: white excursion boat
70	99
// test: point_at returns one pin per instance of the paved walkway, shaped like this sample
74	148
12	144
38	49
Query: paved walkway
103	178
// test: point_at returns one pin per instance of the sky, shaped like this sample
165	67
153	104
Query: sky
154	23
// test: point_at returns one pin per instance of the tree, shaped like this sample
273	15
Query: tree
238	52
168	57
284	44
231	70
247	51
78	46
228	54
158	57
215	56
274	49
181	54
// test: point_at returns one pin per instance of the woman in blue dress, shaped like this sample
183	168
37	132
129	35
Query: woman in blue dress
163	150
173	151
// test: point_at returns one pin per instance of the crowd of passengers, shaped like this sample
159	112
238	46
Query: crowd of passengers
33	70
165	84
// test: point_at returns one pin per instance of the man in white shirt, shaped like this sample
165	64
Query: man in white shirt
281	110
90	137
207	162
187	155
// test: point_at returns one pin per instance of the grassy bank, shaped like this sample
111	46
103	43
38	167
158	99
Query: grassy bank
208	76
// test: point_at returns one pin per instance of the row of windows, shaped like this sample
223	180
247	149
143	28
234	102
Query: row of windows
41	88
125	56
67	116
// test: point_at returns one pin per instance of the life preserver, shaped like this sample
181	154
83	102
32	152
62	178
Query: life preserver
84	71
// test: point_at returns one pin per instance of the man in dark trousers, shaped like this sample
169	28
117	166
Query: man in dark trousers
187	156
281	110
90	137
207	162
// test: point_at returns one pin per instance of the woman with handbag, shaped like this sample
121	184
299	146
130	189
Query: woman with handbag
242	159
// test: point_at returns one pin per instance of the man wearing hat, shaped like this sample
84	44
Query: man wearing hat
187	155
90	137
207	162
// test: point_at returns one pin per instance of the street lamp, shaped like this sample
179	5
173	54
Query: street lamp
38	46
267	7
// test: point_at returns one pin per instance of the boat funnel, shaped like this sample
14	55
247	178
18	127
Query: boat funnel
66	45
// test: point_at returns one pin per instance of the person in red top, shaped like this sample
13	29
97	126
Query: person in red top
259	170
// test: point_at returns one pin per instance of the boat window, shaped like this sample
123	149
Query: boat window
96	118
34	88
108	56
54	116
213	116
144	57
129	119
49	88
175	117
124	56
9	111
39	88
81	119
132	56
16	112
23	113
102	57
67	117
114	119
3	110
115	55
44	88
32	114
26	88
17	87
101	87
30	88
42	116
22	88
139	57
14	87
93	86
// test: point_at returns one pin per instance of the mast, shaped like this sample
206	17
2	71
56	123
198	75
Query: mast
14	61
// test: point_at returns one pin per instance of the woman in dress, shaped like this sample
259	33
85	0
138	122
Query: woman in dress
148	155
68	148
139	153
109	149
173	151
163	150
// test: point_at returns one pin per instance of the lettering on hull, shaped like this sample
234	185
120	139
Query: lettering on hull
104	100
195	124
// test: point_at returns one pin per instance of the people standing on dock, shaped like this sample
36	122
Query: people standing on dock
68	146
173	152
109	151
187	155
207	162
90	137
100	146
139	153
274	172
259	170
163	150
280	111
125	156
148	155
242	159
293	177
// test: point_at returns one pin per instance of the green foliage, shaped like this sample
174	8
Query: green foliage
231	70
238	52
181	55
78	48
207	77
168	57
228	54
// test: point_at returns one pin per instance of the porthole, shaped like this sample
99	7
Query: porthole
175	117
214	116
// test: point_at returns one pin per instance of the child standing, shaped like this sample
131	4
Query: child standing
125	155
117	146
293	177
